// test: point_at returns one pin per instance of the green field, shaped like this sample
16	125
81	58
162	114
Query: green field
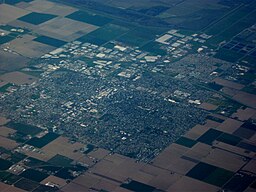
227	21
34	175
5	87
4	164
41	142
9	37
89	18
26	184
92	40
12	34
5	39
229	139
16	157
186	142
50	41
228	55
109	32
3	175
219	177
232	24
210	174
13	2
210	136
104	34
249	89
32	162
36	18
23	128
60	160
140	36
11	179
154	47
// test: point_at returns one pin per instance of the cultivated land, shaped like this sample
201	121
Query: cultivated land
127	95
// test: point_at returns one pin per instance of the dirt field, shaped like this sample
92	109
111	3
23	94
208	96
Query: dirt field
86	160
7	143
65	29
22	4
62	146
196	132
208	106
18	78
124	170
29	48
9	13
198	151
164	181
5	131
99	153
251	166
229	84
55	180
107	185
245	114
209	123
87	180
2	83
9	188
74	187
50	7
171	154
230	125
93	181
120	189
114	169
3	120
246	98
10	62
232	162
44	156
189	184
234	149
22	24
229	91
3	186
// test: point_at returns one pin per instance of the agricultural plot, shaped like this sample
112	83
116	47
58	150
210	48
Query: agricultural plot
27	47
89	18
140	36
13	2
36	176
50	41
194	15
154	48
26	129
186	142
234	23
42	141
18	78
234	16
210	174
5	39
104	34
48	7
65	29
10	13
138	5
59	160
36	18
